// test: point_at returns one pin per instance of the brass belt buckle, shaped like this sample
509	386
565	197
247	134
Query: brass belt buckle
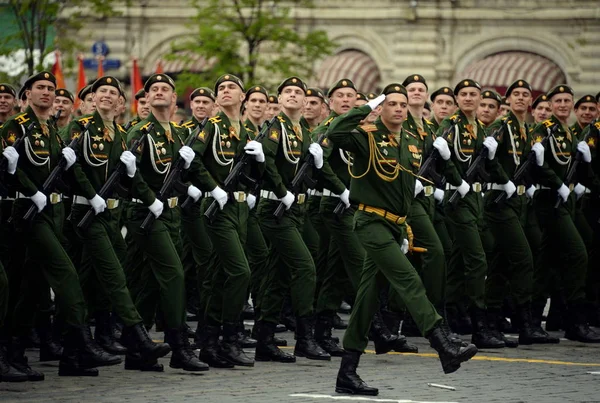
173	202
476	187
301	198
54	198
520	190
428	190
571	187
112	203
241	197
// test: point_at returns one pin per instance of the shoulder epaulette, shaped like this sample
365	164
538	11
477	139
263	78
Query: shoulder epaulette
175	125
548	123
281	118
215	119
328	121
454	116
84	120
429	122
121	128
189	124
480	122
369	128
22	118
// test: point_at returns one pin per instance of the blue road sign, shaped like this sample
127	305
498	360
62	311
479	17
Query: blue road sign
108	64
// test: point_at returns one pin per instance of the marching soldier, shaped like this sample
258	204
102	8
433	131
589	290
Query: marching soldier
489	108
313	107
87	105
443	104
8	97
383	185
586	111
142	107
63	102
540	109
273	108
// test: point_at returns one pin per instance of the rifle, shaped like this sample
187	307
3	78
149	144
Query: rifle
128	126
524	167
301	178
55	117
172	181
476	166
573	168
54	177
237	172
114	178
16	145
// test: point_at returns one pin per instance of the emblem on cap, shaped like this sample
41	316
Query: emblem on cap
487	93
397	88
544	97
561	89
62	92
256	88
226	77
159	78
46	75
466	82
294	80
445	89
588	98
309	92
201	91
344	83
416	78
1	88
109	80
520	83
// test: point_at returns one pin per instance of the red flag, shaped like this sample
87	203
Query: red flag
159	67
136	85
100	66
57	71
81	80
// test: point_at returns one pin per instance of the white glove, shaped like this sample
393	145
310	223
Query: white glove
584	149
442	146
510	189
156	208
128	159
418	187
251	200
538	149
579	190
317	153
464	188
531	191
255	149
40	200
288	200
345	197
438	195
98	204
491	144
563	192
12	156
404	247
374	103
188	155
220	196
194	192
70	156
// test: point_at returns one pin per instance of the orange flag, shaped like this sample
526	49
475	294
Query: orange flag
81	80
100	66
57	71
136	85
159	67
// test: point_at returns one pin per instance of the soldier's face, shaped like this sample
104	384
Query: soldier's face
292	98
360	102
394	110
229	94
7	102
443	106
202	107
161	95
504	109
520	100
487	111
417	94
64	105
88	105
143	107
468	99
342	100
312	108
562	105
541	112
106	98
256	106
586	112
41	94
325	111
272	110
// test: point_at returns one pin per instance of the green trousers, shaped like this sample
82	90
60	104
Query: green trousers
311	232
103	257
290	265
257	252
510	261
163	272
385	261
231	271
345	257
591	212
465	223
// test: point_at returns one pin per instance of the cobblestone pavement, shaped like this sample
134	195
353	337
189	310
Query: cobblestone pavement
568	372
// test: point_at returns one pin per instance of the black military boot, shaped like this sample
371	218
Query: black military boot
465	323
18	360
495	317
383	339
182	356
104	336
577	328
392	322
91	355
188	331
556	318
200	334
134	361
339	323
451	354
49	349
137	339
306	346
323	327
247	311
482	337
70	363
279	342
231	350
8	373
537	310
210	350
348	380
244	339
528	333
266	350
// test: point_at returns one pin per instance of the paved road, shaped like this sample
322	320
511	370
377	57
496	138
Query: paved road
559	373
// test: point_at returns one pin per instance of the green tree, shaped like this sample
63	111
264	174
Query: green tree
46	25
255	39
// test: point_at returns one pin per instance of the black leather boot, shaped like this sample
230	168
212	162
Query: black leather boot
210	352
306	346
134	361
392	322
382	338
339	323
323	327
247	311
280	327
577	328
200	334
104	336
18	360
91	355
528	333
244	339
266	350
189	332
8	373
183	357
465	323
537	310
231	350
348	380
137	340
482	336
71	363
49	349
451	354
495	317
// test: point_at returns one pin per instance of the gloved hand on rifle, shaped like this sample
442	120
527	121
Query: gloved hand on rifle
70	156
156	208
12	158
442	146
288	200
255	149
563	192
188	155
584	149
194	192
538	149
438	195
220	196
491	144
531	191
345	197
510	189
317	153
464	188
98	204
579	190
251	200
40	200
128	159
418	187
